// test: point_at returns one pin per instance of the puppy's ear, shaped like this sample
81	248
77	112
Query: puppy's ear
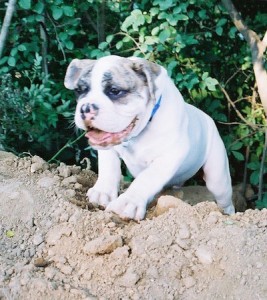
74	71
148	71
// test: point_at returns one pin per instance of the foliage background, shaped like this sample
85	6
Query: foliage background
195	40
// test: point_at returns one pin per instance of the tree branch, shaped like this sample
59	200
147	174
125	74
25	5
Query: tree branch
6	24
257	48
253	126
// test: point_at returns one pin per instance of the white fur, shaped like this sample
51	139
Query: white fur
170	149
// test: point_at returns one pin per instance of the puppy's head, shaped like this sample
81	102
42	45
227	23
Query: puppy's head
114	97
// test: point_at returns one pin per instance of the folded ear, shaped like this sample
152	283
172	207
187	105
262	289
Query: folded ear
148	71
76	68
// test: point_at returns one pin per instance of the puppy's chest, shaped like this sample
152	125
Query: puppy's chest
136	158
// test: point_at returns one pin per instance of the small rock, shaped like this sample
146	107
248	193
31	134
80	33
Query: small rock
259	265
56	233
70	193
46	182
63	170
40	262
69	180
204	255
184	232
120	253
38	164
75	217
165	203
36	167
129	279
37	159
182	243
103	244
67	270
78	186
38	239
212	218
75	170
189	282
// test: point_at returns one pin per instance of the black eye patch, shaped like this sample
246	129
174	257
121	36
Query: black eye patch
81	89
115	93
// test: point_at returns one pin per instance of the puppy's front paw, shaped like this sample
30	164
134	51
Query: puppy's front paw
128	207
229	210
100	197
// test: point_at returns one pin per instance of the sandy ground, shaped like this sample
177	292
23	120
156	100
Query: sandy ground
53	246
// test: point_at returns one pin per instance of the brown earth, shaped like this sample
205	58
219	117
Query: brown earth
53	246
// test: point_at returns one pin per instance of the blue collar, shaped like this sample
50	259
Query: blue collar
155	108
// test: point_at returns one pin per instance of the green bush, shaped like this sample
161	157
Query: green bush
195	40
30	115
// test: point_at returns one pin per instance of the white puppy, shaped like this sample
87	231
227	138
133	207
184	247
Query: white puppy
132	110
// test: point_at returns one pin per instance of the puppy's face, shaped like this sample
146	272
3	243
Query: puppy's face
113	94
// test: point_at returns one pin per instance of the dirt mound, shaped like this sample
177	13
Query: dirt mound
52	248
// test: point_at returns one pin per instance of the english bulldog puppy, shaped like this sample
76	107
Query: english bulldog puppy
131	110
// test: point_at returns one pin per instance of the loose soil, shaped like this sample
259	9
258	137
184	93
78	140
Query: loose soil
55	246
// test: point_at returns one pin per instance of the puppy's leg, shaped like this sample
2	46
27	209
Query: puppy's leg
217	174
109	172
133	203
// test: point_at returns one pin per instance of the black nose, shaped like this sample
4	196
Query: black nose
85	108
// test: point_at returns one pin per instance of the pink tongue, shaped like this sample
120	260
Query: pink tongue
98	136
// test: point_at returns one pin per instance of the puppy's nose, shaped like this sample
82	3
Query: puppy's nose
85	108
88	110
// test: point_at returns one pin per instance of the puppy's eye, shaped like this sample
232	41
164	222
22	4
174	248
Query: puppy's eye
81	89
115	93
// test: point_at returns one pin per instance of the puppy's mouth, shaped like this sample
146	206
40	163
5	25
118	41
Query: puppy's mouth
100	138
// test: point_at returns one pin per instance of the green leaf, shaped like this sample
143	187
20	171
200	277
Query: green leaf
68	11
3	60
25	4
11	61
237	146
69	45
171	66
155	31
222	22
263	202
144	47
239	156
22	47
232	32
154	11
151	40
109	38
63	36
138	19
181	17
10	233
164	35
14	52
211	83
219	30
254	178
119	45
254	165
38	7
202	14
57	12
163	5
204	75
103	45
127	23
